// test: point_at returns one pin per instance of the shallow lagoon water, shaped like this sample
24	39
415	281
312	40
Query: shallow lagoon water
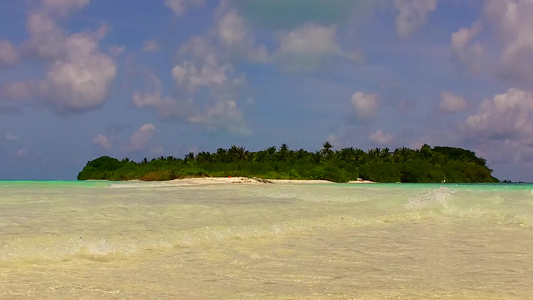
138	240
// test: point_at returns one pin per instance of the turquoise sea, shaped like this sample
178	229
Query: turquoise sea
169	240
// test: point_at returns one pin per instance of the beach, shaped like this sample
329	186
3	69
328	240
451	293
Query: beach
246	180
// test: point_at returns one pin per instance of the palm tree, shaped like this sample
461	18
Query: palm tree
385	154
374	153
347	154
326	149
283	153
316	157
360	156
237	153
222	155
271	150
203	157
189	157
301	154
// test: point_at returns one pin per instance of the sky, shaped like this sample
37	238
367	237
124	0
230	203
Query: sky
84	78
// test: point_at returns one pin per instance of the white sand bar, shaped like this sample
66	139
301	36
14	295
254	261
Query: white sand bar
245	180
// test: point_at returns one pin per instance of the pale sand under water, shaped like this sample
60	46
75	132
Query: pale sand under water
148	240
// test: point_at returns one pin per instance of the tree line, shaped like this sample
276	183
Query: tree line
424	165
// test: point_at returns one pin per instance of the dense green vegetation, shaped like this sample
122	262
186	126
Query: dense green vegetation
424	165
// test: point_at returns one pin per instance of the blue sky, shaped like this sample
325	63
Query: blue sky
85	78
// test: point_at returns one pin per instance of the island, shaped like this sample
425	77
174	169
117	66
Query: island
424	165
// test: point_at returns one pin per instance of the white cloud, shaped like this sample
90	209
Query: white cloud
209	72
231	29
63	7
199	47
506	28
514	24
8	53
503	126
205	70
180	6
79	75
464	51
22	153
82	80
223	115
139	140
103	141
366	105
47	39
380	138
305	48
150	46
354	56
508	115
337	141
159	150
234	34
308	47
19	90
165	106
116	50
412	14
450	103
11	137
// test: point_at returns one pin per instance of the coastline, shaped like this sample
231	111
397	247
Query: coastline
246	180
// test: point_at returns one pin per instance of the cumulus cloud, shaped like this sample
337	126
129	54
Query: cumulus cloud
508	115
366	105
22	153
380	138
180	6
466	52
209	72
8	53
514	25
165	106
231	29
63	7
412	14
79	75
102	141
159	150
150	46
116	50
307	47
450	103
223	115
205	70
510	22
506	121
234	34
337	141
198	48
10	137
139	140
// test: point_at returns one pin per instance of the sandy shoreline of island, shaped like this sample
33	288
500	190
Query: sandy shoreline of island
245	180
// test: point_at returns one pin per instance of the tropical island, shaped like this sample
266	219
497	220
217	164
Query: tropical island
424	165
